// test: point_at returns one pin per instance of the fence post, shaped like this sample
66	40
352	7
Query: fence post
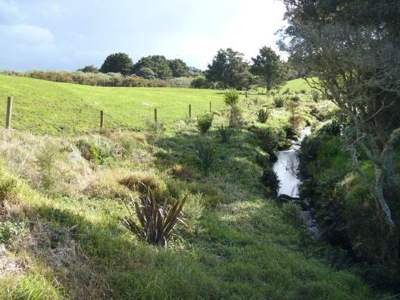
210	107
101	120
9	112
190	111
155	115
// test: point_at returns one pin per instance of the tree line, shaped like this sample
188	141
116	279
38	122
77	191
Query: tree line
228	69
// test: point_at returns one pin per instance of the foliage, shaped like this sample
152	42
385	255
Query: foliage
268	66
271	181
279	101
200	82
89	69
146	73
150	220
179	68
204	122
231	98
205	153
263	115
117	63
225	133
157	63
229	70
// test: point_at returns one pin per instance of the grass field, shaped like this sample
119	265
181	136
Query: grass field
49	107
62	108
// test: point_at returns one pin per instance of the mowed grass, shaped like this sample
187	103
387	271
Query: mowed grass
62	108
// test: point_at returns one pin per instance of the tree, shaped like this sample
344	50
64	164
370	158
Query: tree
353	48
179	68
157	63
146	73
267	64
229	70
117	63
89	69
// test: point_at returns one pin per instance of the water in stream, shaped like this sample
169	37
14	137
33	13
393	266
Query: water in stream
286	167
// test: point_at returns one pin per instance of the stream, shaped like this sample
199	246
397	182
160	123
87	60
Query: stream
286	169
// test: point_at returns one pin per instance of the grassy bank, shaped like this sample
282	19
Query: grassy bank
62	200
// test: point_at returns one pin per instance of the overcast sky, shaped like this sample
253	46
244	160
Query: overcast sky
69	34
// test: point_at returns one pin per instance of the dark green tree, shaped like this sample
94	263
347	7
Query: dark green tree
229	70
117	63
269	67
146	73
89	69
157	63
179	68
353	48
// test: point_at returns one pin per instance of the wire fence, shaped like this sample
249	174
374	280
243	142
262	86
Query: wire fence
50	118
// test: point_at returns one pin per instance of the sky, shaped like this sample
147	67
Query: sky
70	34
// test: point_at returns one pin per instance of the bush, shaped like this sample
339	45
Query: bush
98	154
150	220
200	82
279	102
262	115
235	117
225	133
315	95
231	98
295	98
205	156
204	122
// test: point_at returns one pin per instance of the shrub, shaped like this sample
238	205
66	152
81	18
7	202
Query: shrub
315	95
235	117
204	122
181	172
98	154
205	156
225	133
285	92
262	115
200	83
279	102
151	221
295	98
7	190
231	98
46	161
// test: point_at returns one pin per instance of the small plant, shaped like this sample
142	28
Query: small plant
315	95
295	98
151	221
205	155
225	133
46	161
262	115
279	102
285	92
270	181
204	122
7	189
231	98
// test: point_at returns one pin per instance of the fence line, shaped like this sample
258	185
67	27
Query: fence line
103	119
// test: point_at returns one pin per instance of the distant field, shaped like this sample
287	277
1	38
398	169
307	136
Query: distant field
54	108
50	107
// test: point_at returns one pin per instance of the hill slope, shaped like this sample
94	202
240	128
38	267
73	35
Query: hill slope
50	107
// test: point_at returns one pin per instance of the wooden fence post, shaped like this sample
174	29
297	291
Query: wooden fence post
190	111
210	107
101	120
155	115
9	112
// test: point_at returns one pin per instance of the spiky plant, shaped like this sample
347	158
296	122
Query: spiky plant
150	221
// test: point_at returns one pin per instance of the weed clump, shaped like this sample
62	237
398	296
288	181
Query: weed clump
262	115
204	122
225	133
205	156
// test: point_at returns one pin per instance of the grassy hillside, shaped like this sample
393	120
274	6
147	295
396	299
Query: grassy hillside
62	200
49	107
